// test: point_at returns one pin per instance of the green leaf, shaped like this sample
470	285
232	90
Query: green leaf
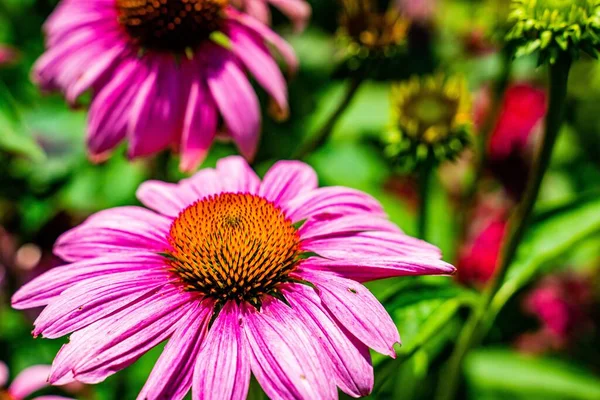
500	373
553	233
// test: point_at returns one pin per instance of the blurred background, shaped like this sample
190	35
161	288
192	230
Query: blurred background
543	338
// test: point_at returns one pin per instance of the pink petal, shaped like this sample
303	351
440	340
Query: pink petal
110	110
268	35
298	11
286	180
200	120
357	310
4	374
374	243
113	231
156	111
328	201
237	175
321	228
282	354
165	198
222	368
46	287
171	377
111	344
256	57
350	359
96	298
367	268
236	100
29	380
258	9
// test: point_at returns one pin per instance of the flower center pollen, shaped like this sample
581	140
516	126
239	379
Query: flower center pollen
233	246
170	25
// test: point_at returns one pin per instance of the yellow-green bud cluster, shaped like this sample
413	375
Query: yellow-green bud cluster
552	27
431	121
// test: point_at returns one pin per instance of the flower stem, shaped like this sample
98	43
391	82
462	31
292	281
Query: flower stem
476	326
319	138
425	178
484	137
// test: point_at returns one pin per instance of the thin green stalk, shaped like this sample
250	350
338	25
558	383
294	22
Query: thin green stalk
484	137
476	326
319	138
425	178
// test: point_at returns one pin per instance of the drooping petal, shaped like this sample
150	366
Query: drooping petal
111	344
367	269
316	228
355	307
156	110
284	48
171	377
117	230
237	175
109	112
249	47
236	100
29	380
200	119
4	374
350	358
372	243
222	367
298	11
96	298
286	180
282	354
328	201
46	287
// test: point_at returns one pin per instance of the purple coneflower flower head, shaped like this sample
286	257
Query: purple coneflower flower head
163	77
241	276
298	11
28	381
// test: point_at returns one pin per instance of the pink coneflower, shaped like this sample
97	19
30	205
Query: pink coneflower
241	276
28	381
298	11
168	74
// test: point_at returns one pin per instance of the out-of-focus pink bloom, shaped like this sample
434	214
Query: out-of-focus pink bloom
417	10
512	140
224	267
26	383
562	303
298	11
479	256
523	108
8	55
163	77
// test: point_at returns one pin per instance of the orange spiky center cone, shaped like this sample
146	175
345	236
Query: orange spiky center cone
233	246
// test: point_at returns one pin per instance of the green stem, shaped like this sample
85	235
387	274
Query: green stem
425	178
484	137
477	325
319	138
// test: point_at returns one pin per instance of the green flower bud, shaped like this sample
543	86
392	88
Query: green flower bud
431	121
552	27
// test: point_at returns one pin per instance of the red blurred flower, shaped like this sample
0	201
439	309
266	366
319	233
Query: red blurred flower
562	303
511	142
8	55
479	255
